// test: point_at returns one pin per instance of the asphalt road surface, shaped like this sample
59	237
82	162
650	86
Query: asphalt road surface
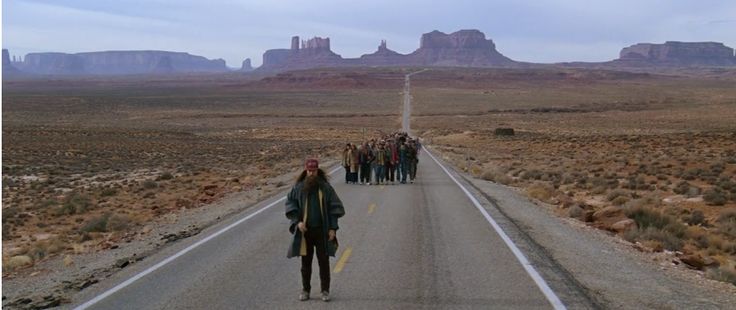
421	245
401	246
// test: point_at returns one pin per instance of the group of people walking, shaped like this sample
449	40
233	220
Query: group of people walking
313	207
392	158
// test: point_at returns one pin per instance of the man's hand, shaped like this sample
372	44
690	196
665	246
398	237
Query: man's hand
331	234
302	227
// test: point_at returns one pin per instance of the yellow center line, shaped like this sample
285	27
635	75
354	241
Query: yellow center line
371	208
383	186
343	258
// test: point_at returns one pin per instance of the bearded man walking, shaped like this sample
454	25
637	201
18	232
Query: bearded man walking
313	208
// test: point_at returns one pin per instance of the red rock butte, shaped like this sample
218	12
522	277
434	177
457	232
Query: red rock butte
465	48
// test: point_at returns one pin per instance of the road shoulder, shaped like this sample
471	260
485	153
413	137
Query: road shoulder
584	264
55	282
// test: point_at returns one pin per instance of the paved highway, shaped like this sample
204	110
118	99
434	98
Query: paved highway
421	245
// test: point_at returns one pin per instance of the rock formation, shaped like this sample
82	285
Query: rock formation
119	62
464	48
468	48
246	67
384	57
6	57
313	53
163	66
7	65
679	53
276	58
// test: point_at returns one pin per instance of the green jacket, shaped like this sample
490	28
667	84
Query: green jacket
295	206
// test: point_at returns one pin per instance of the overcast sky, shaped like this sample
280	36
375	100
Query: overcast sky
525	30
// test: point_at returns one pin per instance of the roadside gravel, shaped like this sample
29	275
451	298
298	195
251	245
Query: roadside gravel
52	283
598	268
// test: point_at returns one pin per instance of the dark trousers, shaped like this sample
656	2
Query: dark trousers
365	173
390	169
347	174
314	240
403	169
412	170
380	173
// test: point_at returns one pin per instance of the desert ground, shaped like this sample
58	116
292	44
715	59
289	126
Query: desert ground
90	163
649	157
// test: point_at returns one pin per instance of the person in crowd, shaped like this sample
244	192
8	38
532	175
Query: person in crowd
382	158
346	159
360	164
403	161
366	159
313	208
393	160
412	159
354	164
374	148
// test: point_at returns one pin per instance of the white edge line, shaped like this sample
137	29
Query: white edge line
543	286
177	255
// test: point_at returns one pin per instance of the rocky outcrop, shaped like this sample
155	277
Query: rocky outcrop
8	67
246	67
674	53
313	53
119	62
275	58
53	63
467	48
384	57
6	57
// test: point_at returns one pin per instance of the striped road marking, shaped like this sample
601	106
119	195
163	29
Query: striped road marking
179	254
343	259
543	286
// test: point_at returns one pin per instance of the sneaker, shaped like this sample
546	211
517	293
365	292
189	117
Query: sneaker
304	295
325	296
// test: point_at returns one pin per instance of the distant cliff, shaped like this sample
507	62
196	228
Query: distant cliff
311	53
119	62
464	48
246	67
467	48
8	67
673	53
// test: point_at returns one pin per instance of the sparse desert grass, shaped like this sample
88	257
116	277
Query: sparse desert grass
723	273
663	148
87	160
654	225
590	139
541	191
727	222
